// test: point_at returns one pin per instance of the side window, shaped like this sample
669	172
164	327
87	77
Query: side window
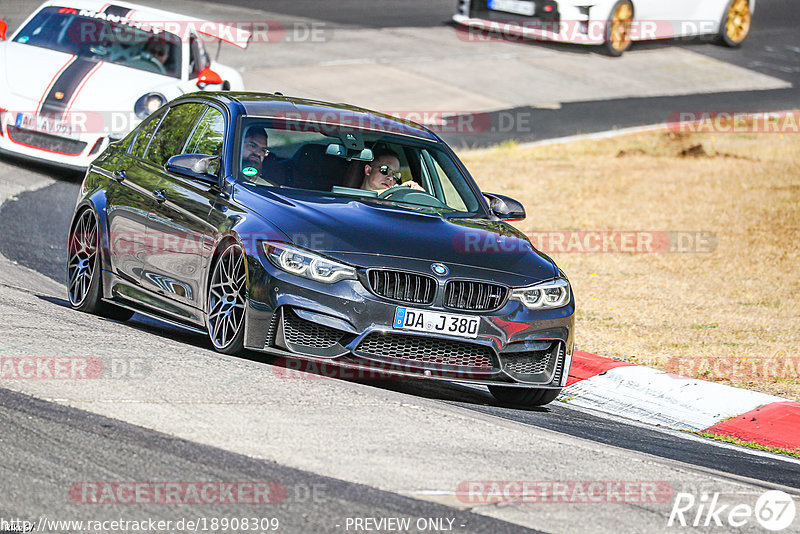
172	132
207	137
146	133
198	58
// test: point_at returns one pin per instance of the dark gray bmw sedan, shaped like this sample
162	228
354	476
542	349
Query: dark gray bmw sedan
325	233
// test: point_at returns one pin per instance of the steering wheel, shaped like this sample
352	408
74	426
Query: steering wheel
153	61
403	193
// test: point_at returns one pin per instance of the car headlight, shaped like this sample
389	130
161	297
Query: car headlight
547	295
307	264
148	103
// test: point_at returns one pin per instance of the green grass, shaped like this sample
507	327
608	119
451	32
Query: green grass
795	453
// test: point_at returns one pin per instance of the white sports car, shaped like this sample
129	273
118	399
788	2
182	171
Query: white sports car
79	73
613	24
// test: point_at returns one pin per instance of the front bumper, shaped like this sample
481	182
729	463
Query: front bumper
565	23
347	325
65	152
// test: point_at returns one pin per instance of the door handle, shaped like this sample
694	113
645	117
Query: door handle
161	195
119	175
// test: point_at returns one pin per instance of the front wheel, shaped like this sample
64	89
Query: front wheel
618	29
735	23
225	308
523	396
84	279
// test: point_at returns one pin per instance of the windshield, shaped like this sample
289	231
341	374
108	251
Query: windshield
85	33
366	165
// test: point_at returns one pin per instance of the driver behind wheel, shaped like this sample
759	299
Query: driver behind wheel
384	172
157	51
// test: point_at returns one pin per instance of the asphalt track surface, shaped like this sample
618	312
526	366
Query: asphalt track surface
41	248
87	447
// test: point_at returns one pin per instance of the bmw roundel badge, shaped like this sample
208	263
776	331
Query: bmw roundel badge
439	269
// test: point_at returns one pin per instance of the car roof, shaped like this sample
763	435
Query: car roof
270	105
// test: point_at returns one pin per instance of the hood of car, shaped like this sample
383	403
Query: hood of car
84	84
374	234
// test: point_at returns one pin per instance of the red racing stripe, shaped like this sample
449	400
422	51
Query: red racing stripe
53	81
62	90
80	87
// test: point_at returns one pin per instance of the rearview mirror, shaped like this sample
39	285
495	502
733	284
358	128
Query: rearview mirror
197	166
505	208
335	149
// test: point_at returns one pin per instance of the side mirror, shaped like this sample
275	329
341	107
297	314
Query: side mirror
196	166
3	28
505	208
208	77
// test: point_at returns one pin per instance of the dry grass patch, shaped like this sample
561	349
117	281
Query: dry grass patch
731	314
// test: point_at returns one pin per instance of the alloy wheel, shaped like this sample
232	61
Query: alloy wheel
620	33
226	298
82	262
737	24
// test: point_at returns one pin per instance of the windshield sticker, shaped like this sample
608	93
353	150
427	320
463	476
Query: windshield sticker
249	171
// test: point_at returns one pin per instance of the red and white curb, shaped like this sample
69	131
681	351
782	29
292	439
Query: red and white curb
677	402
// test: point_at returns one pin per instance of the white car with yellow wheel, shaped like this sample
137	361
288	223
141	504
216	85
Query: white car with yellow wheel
612	24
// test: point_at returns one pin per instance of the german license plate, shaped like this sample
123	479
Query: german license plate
436	322
44	124
518	7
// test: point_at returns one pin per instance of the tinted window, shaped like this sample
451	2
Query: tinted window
207	137
146	133
172	132
310	156
85	33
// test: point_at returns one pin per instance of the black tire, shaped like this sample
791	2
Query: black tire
618	30
226	300
84	281
735	23
523	396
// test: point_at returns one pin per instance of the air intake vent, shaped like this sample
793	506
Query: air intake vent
425	350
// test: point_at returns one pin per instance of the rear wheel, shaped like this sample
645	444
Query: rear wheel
84	280
226	300
524	396
618	29
735	23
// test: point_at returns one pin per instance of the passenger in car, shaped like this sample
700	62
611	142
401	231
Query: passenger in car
384	172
